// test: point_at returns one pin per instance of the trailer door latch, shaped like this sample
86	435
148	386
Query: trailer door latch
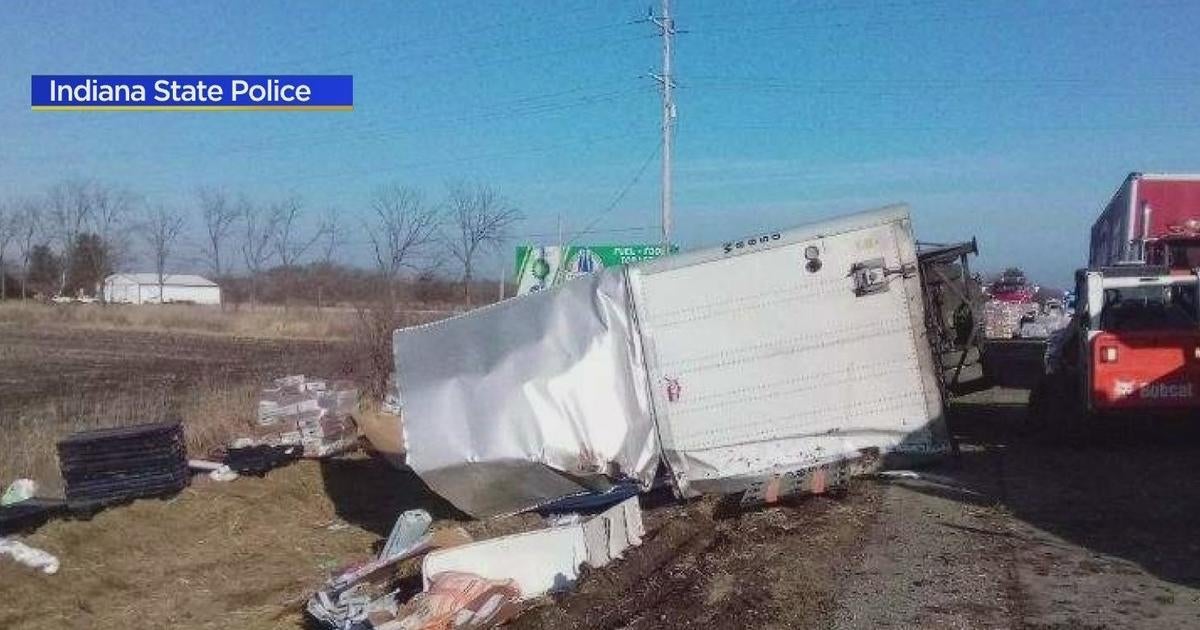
870	276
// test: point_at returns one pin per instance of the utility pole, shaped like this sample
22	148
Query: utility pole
666	26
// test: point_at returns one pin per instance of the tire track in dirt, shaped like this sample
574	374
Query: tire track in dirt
701	568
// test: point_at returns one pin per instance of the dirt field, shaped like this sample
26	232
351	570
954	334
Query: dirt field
1016	532
38	363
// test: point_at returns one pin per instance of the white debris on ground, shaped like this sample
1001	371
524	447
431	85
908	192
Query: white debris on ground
216	470
18	491
31	557
472	584
546	560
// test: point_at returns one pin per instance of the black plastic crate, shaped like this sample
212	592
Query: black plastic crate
110	466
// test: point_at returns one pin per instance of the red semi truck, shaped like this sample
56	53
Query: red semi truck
1133	344
1153	219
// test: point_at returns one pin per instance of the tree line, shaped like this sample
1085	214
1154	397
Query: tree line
66	241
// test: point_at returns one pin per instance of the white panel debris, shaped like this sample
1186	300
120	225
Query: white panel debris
530	399
539	562
608	534
545	560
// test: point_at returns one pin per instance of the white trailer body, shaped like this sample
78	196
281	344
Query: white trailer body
761	358
789	350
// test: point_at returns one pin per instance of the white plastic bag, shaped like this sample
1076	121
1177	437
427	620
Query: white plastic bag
31	557
18	491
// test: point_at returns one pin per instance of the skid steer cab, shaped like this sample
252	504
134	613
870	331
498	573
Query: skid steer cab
1134	343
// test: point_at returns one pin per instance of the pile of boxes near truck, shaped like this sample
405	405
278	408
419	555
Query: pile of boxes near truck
1015	330
310	413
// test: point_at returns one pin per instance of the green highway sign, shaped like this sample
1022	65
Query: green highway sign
543	267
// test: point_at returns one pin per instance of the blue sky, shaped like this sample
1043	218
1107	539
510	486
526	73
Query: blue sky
1009	121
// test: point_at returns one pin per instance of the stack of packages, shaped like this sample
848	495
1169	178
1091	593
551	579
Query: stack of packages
1002	320
114	465
310	413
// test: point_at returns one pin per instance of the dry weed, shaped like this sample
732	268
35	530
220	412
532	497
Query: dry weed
212	413
264	321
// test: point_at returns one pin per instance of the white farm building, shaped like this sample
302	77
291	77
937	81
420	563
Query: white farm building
142	288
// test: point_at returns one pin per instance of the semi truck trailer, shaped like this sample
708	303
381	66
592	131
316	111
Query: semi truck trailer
1152	219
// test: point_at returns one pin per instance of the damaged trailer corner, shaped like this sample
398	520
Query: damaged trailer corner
738	365
529	400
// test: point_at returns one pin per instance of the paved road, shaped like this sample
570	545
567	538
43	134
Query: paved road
1021	533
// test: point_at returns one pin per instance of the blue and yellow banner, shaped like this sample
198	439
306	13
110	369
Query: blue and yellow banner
192	92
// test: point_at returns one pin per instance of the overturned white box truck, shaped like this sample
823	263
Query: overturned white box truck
736	367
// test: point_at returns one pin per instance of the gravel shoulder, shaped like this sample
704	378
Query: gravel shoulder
1021	532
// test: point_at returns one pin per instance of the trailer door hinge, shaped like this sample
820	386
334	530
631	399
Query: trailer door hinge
870	276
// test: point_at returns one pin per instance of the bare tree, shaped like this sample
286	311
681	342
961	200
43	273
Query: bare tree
258	225
290	247
160	230
479	219
219	215
112	208
332	234
28	229
69	207
8	233
400	226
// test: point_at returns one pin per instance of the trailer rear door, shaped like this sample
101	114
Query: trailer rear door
786	351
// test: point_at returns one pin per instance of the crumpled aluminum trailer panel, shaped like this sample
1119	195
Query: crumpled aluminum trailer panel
529	400
789	350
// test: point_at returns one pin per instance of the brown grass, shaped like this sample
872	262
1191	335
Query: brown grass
245	554
212	413
302	322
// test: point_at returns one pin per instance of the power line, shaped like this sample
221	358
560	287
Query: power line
775	127
874	7
940	82
422	164
538	235
953	16
548	53
637	176
371	132
456	40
